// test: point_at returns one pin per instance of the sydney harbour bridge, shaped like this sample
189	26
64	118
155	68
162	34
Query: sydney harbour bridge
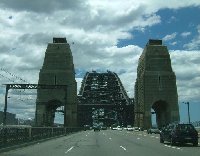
102	97
103	101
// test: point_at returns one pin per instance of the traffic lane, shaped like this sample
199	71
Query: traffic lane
85	144
101	143
144	144
187	148
128	143
52	147
97	144
141	144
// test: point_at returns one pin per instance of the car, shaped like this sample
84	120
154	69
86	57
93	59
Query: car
96	128
153	130
141	129
86	127
104	128
114	128
179	133
136	128
129	128
119	128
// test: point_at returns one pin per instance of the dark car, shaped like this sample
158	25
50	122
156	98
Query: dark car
104	128
96	128
179	133
153	130
86	127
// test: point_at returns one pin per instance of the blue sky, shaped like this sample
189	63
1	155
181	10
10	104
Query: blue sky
102	37
183	20
183	23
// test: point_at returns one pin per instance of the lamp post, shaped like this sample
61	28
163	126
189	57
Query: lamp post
188	108
5	107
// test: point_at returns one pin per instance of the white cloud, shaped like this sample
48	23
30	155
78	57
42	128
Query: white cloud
78	80
185	34
186	67
173	43
170	37
172	19
195	43
94	26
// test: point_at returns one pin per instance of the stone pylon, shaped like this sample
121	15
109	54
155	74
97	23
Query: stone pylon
57	69
155	87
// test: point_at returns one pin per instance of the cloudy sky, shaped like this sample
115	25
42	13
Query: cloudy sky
107	35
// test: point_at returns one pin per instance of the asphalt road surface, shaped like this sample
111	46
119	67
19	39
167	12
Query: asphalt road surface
105	143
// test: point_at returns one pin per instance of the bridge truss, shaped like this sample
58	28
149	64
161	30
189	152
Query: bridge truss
104	94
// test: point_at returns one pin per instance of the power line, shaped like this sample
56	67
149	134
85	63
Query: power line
13	75
16	77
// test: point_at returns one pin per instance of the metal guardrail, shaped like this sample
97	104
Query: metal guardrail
10	135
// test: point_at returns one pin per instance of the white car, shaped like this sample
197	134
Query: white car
129	128
119	128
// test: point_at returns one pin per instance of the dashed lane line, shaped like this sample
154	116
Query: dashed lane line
69	149
178	148
123	148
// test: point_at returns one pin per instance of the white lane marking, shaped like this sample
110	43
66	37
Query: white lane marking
138	138
140	134
152	136
145	135
69	149
123	148
178	148
86	135
157	137
110	138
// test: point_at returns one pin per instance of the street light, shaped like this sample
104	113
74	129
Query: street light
188	108
5	106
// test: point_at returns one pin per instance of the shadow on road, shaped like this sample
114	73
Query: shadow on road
183	145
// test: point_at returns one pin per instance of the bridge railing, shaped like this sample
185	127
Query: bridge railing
16	135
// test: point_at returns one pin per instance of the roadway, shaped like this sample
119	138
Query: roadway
105	143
